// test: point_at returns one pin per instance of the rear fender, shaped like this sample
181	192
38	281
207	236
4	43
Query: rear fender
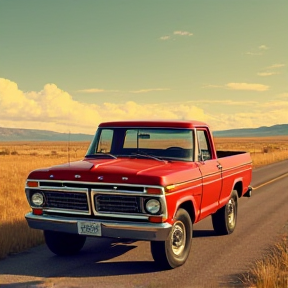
238	186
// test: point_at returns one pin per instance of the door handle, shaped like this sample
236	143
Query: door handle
219	166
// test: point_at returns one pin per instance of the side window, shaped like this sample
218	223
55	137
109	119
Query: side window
204	145
104	145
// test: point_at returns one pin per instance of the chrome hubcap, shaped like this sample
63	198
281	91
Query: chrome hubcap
231	211
178	237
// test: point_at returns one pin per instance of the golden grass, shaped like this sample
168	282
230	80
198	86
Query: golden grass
263	150
17	159
272	270
15	235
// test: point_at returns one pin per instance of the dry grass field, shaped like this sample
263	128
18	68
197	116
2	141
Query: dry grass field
17	159
264	150
272	270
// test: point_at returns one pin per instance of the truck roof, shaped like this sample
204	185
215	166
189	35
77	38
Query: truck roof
156	124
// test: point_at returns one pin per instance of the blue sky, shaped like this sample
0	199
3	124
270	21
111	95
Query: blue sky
69	65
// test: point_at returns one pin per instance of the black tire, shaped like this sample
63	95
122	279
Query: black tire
225	219
175	250
64	244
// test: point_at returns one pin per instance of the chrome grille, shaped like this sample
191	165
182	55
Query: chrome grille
66	200
116	203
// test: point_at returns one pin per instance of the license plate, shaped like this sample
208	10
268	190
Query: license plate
89	228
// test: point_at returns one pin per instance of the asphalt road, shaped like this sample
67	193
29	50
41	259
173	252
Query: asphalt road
215	261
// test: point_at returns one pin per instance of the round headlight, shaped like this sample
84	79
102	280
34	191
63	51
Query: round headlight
153	206
37	199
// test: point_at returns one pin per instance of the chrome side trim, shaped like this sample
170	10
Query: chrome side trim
186	182
228	176
207	176
236	167
236	173
185	189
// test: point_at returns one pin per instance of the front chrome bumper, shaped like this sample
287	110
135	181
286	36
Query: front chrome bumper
109	228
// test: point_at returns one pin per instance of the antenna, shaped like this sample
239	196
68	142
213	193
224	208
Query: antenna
68	148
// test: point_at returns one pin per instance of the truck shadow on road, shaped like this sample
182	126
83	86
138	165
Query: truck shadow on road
204	233
97	259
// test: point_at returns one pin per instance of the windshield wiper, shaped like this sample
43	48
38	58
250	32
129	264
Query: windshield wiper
142	154
100	154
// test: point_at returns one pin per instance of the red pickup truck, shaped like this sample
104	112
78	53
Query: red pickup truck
141	180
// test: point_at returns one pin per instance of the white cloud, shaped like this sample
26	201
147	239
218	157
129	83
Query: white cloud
92	90
13	100
271	70
241	86
165	37
263	47
263	74
264	117
54	109
48	106
96	90
275	105
259	114
247	86
177	33
227	102
259	51
182	33
254	53
275	66
149	90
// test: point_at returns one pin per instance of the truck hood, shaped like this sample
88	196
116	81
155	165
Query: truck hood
121	170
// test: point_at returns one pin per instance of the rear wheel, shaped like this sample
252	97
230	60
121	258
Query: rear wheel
224	220
175	250
63	244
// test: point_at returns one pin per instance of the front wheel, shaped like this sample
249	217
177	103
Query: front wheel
175	250
64	244
224	220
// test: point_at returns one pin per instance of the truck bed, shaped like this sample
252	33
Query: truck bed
222	154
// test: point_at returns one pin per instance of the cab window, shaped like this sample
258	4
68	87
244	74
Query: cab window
204	147
105	141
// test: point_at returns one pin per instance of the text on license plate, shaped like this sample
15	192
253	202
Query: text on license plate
89	228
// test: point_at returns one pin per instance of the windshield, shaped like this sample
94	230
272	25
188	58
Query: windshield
174	144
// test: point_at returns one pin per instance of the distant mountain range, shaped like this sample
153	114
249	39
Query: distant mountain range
15	134
264	131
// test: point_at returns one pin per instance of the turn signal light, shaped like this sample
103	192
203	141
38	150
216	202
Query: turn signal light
37	211
153	191
32	184
170	188
156	219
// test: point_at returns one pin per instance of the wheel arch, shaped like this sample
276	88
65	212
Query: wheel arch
189	207
238	186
